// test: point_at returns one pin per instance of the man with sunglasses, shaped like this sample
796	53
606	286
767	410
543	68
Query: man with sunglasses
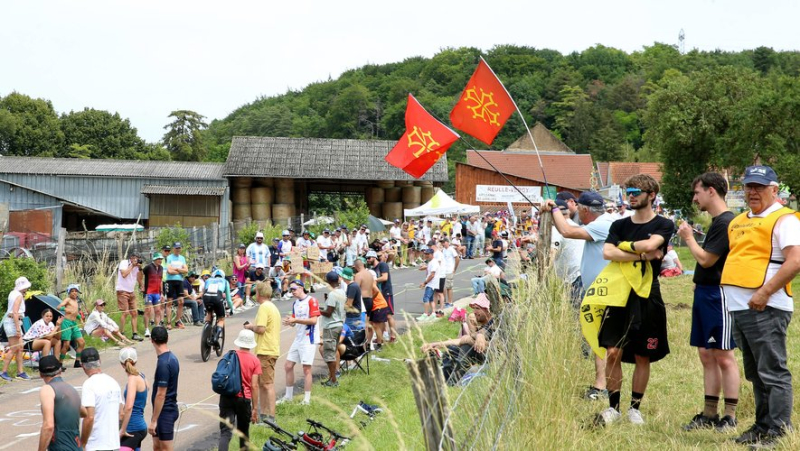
637	332
258	252
763	260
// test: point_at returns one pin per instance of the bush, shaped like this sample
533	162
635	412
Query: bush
176	234
354	215
14	268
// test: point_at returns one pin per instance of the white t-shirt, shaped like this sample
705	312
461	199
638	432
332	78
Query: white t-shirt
426	235
785	234
285	246
324	241
435	268
669	260
395	232
126	284
306	308
450	256
11	298
258	254
493	270
304	244
102	392
457	228
361	242
568	254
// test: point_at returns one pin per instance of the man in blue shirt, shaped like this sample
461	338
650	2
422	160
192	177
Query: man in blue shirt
176	271
165	392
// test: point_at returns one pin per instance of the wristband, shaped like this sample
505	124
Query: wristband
554	210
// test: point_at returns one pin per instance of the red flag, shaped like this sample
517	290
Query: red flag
484	106
423	143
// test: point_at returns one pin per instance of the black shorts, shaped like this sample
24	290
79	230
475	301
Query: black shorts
367	304
442	280
135	441
390	302
174	289
214	304
639	328
380	315
165	427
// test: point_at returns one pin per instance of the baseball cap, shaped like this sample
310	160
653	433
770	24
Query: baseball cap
259	235
762	175
372	254
397	220
275	240
242	246
347	274
166	247
332	277
363	226
99	302
326	231
126	354
344	227
49	365
480	301
591	199
384	240
177	244
298	283
428	251
561	204
286	233
565	196
260	265
90	355
159	334
156	256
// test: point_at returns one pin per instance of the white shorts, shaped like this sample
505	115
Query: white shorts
302	353
10	327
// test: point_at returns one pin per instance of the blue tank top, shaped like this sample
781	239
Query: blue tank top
137	423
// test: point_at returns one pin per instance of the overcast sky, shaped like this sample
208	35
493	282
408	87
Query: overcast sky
144	59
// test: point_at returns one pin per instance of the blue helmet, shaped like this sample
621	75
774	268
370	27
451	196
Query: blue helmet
218	273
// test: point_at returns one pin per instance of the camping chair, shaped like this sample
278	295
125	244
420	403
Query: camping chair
357	351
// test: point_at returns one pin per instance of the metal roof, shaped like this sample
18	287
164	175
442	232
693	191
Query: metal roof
179	190
317	158
110	168
567	170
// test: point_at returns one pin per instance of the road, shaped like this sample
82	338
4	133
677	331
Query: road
20	416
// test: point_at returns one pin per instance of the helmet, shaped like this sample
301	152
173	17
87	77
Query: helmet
219	273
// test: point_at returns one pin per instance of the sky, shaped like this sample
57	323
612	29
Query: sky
144	58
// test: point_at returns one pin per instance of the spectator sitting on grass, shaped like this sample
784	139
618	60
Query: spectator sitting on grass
470	347
99	324
671	266
491	269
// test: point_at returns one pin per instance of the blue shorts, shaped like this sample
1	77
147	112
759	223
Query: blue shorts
165	427
428	296
152	299
711	322
355	322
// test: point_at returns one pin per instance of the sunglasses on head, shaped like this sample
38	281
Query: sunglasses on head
634	191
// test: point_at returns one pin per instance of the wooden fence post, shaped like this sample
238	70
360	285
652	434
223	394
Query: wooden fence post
543	246
60	259
215	233
430	393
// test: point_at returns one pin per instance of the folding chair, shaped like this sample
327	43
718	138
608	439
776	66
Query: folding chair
357	351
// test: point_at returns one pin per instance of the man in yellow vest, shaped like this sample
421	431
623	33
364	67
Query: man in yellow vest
756	282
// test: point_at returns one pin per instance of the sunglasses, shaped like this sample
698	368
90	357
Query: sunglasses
635	191
295	288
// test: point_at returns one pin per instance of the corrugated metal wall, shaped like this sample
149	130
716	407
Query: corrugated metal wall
19	198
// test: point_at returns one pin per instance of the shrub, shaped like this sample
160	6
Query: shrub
176	234
354	215
13	268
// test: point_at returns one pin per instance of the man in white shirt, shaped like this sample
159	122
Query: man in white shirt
473	232
361	240
491	269
434	272
326	246
451	261
426	232
456	226
567	254
756	283
129	273
102	398
258	252
285	245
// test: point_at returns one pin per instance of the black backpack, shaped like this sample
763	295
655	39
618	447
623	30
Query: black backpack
227	379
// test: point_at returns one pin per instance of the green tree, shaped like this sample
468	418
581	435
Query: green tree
13	268
29	127
184	137
102	134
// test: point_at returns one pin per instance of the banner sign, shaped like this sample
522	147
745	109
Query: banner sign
503	194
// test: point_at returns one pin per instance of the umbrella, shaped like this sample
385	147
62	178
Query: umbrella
375	224
319	220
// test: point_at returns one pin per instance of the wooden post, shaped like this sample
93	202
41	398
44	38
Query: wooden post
120	240
543	246
215	233
430	393
60	259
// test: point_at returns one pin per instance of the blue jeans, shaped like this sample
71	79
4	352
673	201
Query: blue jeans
470	245
198	311
761	336
478	285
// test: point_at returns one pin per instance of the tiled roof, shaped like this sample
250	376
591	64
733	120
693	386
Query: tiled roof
602	169
562	169
621	171
316	158
178	190
110	168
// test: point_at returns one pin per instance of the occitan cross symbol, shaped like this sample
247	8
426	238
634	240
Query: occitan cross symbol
483	102
422	141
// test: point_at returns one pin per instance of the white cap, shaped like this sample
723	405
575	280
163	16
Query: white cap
22	283
246	339
259	235
286	232
260	265
126	354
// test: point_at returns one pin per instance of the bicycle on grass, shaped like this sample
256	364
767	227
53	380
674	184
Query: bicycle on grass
313	440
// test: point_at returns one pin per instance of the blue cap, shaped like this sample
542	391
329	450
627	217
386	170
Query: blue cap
591	199
561	204
565	196
762	175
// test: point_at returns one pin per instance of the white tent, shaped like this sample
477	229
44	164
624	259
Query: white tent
441	204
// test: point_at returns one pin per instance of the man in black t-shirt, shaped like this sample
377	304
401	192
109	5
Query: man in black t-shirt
384	279
637	332
711	321
253	277
497	252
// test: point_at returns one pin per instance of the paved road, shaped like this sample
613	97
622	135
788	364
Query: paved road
20	417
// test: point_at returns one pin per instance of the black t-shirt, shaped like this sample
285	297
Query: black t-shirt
354	293
497	244
716	243
626	230
254	277
274	255
386	287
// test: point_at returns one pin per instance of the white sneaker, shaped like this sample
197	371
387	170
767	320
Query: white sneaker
146	332
238	310
422	317
607	416
386	336
429	317
305	403
249	304
635	416
283	400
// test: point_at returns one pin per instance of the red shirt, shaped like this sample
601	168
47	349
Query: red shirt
249	365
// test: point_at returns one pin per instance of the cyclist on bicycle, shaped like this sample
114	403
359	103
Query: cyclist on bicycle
216	292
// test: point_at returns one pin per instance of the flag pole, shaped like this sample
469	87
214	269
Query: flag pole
525	123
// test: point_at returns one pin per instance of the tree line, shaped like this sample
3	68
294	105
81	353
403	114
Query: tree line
692	111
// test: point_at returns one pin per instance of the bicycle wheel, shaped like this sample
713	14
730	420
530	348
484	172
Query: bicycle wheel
221	342
205	346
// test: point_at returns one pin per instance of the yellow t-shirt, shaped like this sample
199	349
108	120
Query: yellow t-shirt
268	343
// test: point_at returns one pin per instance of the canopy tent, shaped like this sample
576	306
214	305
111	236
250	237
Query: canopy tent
441	204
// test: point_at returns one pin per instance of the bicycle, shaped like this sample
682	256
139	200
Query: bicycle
207	340
311	441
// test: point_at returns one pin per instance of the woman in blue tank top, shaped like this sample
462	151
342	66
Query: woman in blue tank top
134	428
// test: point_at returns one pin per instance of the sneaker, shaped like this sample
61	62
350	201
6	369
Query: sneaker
4	375
179	325
147	332
769	440
283	400
249	304
635	416
701	421
329	383
606	417
726	424
422	317
595	394
267	419
305	403
751	436
23	376
378	347
77	364
439	313
198	323
448	305
238	310
137	337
